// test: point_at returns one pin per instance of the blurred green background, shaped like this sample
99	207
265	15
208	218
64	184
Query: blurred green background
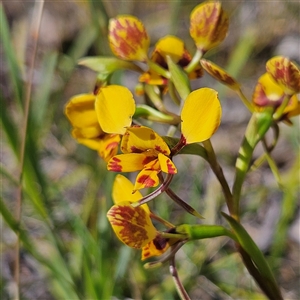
68	249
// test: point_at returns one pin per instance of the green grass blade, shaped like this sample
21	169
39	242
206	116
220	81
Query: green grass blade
9	54
41	97
256	255
11	131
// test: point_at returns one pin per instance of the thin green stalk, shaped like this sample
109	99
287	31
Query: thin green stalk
280	110
245	100
158	69
35	27
257	127
212	159
179	286
194	62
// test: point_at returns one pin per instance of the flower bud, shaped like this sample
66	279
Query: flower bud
208	25
219	74
285	73
128	38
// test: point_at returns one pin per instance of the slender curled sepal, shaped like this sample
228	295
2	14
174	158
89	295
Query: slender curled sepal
208	25
199	232
254	252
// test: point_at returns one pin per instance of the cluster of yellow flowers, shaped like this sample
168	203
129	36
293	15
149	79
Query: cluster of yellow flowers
105	120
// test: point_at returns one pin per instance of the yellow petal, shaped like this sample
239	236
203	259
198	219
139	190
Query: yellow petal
166	164
267	92
139	139
123	190
293	108
208	25
132	226
108	146
80	110
219	74
146	178
128	38
87	132
200	115
129	162
94	143
285	73
114	107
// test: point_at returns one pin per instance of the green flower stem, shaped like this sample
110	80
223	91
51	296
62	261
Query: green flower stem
245	100
157	101
199	232
212	159
179	78
258	125
167	235
179	286
173	93
281	108
270	148
272	164
151	114
158	69
172	130
153	93
194	62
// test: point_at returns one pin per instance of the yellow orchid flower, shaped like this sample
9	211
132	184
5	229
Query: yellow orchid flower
128	38
175	48
80	110
122	189
145	151
269	93
208	25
